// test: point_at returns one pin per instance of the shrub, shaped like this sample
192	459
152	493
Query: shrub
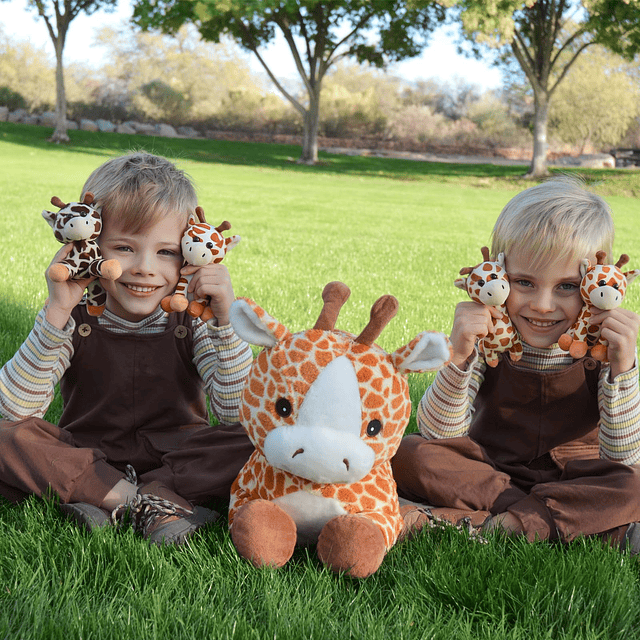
12	99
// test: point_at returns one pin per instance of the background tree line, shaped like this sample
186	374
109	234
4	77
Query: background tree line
187	80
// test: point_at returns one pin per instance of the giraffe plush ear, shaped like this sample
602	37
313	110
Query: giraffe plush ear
631	275
254	325
585	265
428	351
461	283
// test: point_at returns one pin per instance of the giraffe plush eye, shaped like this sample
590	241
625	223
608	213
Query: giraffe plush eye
481	282
602	283
283	407
493	276
197	239
209	245
616	286
374	428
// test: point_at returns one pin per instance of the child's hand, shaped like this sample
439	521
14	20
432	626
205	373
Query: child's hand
470	322
63	296
619	327
212	280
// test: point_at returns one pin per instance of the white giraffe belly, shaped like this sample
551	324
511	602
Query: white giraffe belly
310	512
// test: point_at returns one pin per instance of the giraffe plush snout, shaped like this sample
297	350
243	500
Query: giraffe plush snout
494	293
606	297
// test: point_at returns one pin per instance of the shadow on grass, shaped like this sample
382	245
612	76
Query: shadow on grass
284	157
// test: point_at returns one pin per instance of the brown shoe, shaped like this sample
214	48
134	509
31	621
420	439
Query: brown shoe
85	515
162	516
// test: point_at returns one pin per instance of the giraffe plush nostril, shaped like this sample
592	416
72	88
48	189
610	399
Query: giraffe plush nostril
299	451
346	463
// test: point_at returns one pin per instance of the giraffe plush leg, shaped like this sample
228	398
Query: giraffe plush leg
351	544
578	349
264	534
59	272
599	352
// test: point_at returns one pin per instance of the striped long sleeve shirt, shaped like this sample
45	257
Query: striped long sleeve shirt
446	409
28	380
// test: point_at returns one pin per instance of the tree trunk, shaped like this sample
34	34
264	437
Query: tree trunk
60	132
539	167
310	132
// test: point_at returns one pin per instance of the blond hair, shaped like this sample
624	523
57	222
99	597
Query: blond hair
558	216
136	190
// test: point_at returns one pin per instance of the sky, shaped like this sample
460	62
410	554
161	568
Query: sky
439	60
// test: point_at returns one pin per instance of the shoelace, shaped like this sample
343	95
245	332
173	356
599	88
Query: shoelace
464	524
142	511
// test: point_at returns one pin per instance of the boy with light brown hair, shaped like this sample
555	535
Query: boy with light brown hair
134	438
544	447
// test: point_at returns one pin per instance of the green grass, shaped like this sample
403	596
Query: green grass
381	226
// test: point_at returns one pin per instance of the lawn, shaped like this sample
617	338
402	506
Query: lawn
381	226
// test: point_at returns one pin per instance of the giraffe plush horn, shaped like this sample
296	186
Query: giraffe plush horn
624	258
383	310
334	295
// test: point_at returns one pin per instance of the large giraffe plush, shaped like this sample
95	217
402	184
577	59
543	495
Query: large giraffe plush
80	224
202	244
602	287
326	411
487	283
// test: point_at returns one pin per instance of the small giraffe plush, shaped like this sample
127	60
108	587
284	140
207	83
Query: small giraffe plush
602	287
488	284
326	411
202	244
80	223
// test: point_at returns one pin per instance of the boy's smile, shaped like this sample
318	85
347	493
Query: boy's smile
545	302
151	260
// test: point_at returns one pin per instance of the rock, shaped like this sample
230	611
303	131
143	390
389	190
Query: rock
125	128
17	116
146	129
31	119
188	132
4	114
597	161
105	126
48	119
88	125
72	125
166	131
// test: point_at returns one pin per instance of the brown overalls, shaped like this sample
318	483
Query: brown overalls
128	399
532	450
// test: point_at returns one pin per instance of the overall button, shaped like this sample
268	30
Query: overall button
180	331
84	330
590	364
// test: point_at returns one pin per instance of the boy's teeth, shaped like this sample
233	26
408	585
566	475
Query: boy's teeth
537	323
141	289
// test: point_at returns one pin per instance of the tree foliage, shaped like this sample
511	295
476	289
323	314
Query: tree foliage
597	102
182	79
545	38
318	33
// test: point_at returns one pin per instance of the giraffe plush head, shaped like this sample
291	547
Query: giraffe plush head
80	224
487	283
326	411
201	244
603	286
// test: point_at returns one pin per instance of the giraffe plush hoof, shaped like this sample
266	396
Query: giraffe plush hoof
111	269
565	341
207	314
195	309
95	311
264	534
58	273
353	545
599	352
178	303
578	349
165	303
